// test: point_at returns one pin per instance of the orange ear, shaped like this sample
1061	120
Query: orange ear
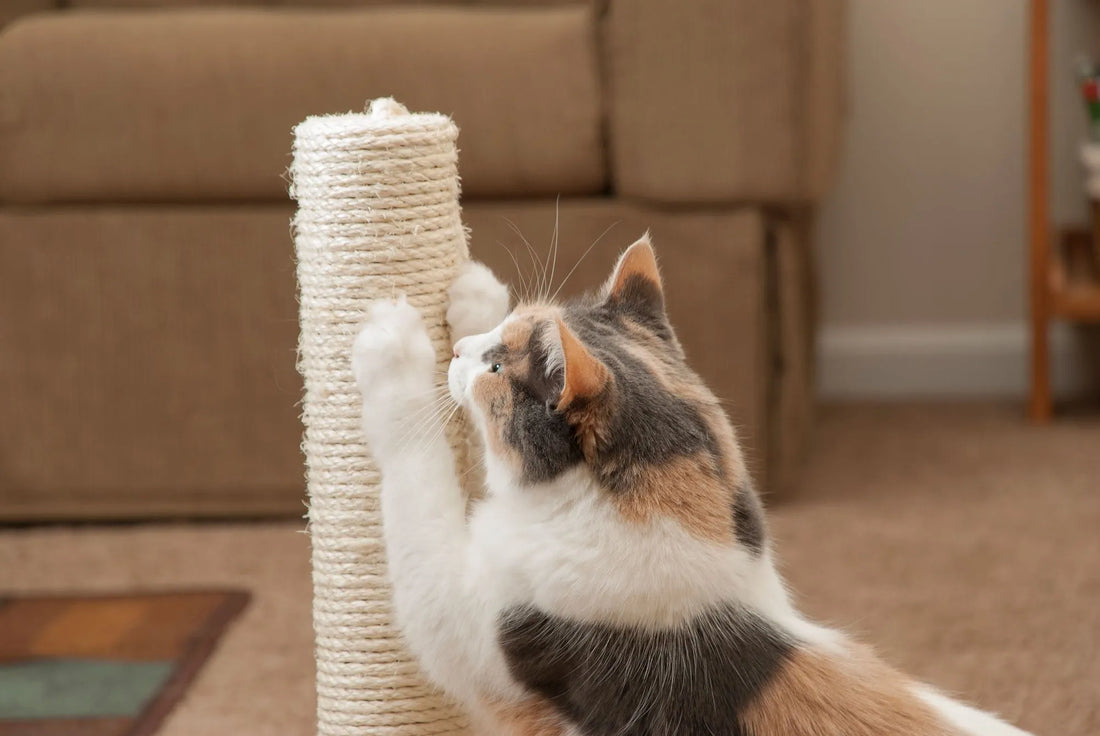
636	280
585	375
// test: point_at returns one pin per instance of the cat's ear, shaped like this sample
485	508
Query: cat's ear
636	283
584	377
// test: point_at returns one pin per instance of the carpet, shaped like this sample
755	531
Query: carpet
105	665
960	541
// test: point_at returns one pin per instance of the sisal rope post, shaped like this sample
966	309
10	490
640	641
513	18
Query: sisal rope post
378	215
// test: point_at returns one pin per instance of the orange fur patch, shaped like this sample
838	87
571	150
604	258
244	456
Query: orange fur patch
638	260
646	348
684	489
532	717
818	694
585	377
733	462
687	386
493	393
517	332
649	356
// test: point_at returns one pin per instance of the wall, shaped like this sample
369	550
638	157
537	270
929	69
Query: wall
922	239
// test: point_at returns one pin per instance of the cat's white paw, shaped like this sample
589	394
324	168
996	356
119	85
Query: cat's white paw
478	302
394	363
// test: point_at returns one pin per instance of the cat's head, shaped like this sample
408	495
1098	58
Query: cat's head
599	381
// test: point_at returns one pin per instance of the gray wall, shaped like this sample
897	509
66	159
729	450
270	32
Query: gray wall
922	239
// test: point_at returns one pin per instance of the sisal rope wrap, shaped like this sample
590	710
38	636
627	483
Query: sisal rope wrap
378	215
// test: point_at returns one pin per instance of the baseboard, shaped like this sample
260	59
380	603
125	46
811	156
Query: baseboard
950	361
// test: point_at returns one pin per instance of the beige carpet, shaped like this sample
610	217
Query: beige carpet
960	541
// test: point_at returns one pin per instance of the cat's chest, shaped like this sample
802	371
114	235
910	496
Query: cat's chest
584	563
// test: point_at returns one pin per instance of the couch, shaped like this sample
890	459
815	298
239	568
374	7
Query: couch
147	294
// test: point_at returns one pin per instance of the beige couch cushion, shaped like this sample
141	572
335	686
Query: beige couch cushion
174	105
160	381
301	3
734	100
150	4
12	9
149	362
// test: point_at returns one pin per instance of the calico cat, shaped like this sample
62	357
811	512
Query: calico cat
617	579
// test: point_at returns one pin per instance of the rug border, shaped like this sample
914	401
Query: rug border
187	668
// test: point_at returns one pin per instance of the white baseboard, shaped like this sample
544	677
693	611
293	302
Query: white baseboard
950	361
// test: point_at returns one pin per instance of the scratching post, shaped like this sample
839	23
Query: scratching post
378	215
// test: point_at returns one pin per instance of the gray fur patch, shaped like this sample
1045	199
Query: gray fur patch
694	680
648	424
748	520
542	436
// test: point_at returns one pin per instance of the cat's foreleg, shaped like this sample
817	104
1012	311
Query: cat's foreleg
436	586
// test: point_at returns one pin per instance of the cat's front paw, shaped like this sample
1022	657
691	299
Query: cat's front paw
394	363
478	302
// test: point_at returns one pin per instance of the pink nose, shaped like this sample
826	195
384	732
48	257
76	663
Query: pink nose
457	350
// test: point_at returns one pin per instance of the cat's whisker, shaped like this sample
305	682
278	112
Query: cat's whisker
553	253
477	463
424	417
407	438
583	256
519	271
443	424
437	401
430	404
421	428
434	391
426	426
535	260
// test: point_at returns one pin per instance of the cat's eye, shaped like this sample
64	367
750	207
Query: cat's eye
495	368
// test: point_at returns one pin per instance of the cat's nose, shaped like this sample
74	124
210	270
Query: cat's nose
456	351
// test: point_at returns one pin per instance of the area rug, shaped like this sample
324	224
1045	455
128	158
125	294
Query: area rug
104	665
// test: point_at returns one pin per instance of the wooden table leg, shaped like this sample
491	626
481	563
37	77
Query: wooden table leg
1040	405
1038	216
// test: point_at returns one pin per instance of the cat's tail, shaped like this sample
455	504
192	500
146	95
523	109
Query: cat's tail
967	719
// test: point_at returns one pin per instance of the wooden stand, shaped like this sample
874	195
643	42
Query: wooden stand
1053	295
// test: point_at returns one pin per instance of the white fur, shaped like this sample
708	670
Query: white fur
478	302
968	720
560	545
467	363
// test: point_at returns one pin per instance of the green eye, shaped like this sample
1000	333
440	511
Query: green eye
495	368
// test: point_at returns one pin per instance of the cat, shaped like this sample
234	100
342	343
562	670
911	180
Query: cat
617	579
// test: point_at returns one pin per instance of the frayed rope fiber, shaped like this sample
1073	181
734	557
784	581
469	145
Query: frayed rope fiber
378	215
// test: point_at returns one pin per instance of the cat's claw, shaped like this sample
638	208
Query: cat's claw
478	302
